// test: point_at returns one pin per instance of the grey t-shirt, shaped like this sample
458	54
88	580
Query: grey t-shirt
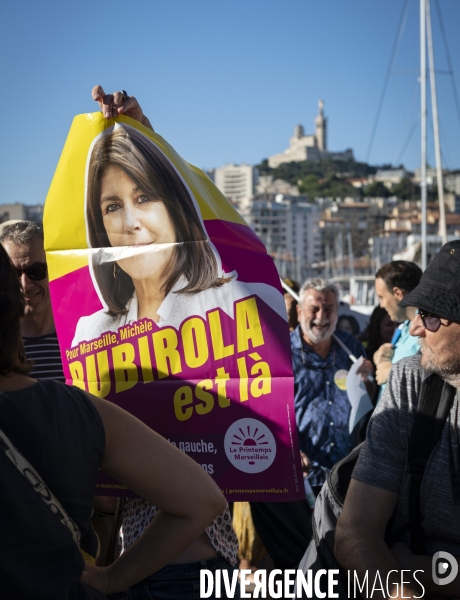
383	461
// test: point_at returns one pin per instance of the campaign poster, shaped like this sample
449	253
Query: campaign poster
167	304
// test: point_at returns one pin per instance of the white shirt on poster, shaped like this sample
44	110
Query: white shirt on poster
175	308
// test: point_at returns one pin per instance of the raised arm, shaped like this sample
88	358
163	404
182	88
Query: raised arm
151	467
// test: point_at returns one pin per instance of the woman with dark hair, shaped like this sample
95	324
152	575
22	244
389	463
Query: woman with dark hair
126	158
54	439
291	303
349	324
154	258
380	331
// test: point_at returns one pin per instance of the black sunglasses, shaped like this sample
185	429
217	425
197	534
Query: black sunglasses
431	322
35	272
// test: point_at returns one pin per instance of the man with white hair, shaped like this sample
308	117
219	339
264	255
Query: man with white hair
322	412
320	369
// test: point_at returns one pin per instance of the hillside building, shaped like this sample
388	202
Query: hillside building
289	228
268	185
21	212
452	183
390	177
237	183
309	147
360	219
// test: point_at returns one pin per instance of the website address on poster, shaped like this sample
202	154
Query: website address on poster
262	491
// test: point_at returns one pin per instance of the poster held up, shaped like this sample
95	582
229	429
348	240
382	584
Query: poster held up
167	304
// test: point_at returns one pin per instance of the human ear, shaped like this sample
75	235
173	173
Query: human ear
398	293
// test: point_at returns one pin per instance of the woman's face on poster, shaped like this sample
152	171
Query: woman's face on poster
133	218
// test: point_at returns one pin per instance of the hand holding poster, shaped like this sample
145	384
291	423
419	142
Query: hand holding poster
167	304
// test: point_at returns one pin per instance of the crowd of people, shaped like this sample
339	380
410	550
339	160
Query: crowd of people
154	546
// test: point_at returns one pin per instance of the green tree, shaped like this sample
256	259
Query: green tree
322	169
309	185
330	186
377	189
406	190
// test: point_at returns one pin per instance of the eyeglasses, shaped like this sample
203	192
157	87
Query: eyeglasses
431	322
35	272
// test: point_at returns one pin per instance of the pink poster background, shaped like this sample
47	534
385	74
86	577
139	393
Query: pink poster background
214	438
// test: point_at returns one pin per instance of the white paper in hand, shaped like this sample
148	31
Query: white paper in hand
357	395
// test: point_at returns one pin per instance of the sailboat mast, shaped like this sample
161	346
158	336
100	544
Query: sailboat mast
423	125
437	145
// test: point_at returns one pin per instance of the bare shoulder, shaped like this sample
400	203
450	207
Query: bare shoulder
113	417
15	382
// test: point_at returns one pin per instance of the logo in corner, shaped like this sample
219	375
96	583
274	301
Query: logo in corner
444	568
250	446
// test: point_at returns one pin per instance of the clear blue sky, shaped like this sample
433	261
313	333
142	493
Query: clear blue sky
223	81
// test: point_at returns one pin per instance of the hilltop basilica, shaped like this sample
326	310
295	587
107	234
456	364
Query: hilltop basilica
309	147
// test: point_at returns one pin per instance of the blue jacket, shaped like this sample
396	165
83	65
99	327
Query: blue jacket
321	402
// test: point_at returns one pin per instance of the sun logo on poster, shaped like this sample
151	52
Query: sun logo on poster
250	445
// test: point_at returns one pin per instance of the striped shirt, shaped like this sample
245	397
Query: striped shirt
44	354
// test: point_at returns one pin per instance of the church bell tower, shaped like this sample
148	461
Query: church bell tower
321	126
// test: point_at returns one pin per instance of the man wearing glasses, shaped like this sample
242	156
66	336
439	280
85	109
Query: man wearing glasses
23	242
373	532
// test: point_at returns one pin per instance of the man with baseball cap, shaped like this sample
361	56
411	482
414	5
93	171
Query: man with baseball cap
374	533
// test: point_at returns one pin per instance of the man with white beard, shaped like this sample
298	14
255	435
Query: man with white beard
376	533
322	411
320	371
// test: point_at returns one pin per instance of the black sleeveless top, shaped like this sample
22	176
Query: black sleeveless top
59	431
